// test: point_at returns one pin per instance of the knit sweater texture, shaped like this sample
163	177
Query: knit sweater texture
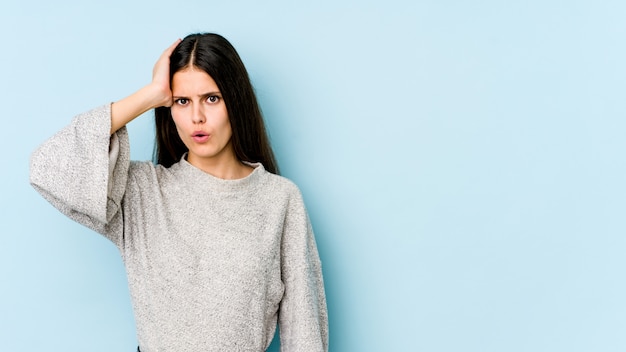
212	264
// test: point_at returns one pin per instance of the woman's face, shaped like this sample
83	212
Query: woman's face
201	119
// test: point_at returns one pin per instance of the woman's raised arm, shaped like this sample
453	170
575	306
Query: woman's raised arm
153	95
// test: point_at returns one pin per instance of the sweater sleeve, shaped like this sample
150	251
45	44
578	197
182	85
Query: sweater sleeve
82	171
303	317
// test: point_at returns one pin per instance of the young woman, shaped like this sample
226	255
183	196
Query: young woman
217	247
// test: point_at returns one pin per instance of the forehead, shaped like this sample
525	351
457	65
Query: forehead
193	81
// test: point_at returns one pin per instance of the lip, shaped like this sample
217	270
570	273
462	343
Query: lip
200	136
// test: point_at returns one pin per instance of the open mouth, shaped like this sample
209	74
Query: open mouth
200	136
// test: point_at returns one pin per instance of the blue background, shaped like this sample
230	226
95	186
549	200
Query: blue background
462	162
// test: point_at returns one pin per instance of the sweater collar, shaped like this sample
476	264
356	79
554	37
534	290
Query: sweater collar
192	175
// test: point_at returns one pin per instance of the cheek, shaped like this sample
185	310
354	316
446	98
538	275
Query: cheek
177	124
175	115
226	128
178	117
225	121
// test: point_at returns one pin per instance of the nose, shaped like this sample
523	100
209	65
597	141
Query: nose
197	115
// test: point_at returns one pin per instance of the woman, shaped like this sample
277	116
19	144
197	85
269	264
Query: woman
217	247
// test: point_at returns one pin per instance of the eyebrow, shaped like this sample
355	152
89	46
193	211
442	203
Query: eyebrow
200	95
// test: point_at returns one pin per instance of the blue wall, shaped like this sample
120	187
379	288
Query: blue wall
462	162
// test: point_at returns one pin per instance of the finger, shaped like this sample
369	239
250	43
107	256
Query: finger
162	62
171	48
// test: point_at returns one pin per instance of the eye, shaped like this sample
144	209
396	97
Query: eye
212	99
181	101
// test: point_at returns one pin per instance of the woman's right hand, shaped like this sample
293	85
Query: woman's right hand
161	76
157	93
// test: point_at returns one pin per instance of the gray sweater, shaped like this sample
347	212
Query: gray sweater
212	264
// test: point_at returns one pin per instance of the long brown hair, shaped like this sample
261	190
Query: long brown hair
213	54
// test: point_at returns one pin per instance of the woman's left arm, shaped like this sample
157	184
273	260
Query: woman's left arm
303	315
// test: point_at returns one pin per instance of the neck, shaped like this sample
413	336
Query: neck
228	169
